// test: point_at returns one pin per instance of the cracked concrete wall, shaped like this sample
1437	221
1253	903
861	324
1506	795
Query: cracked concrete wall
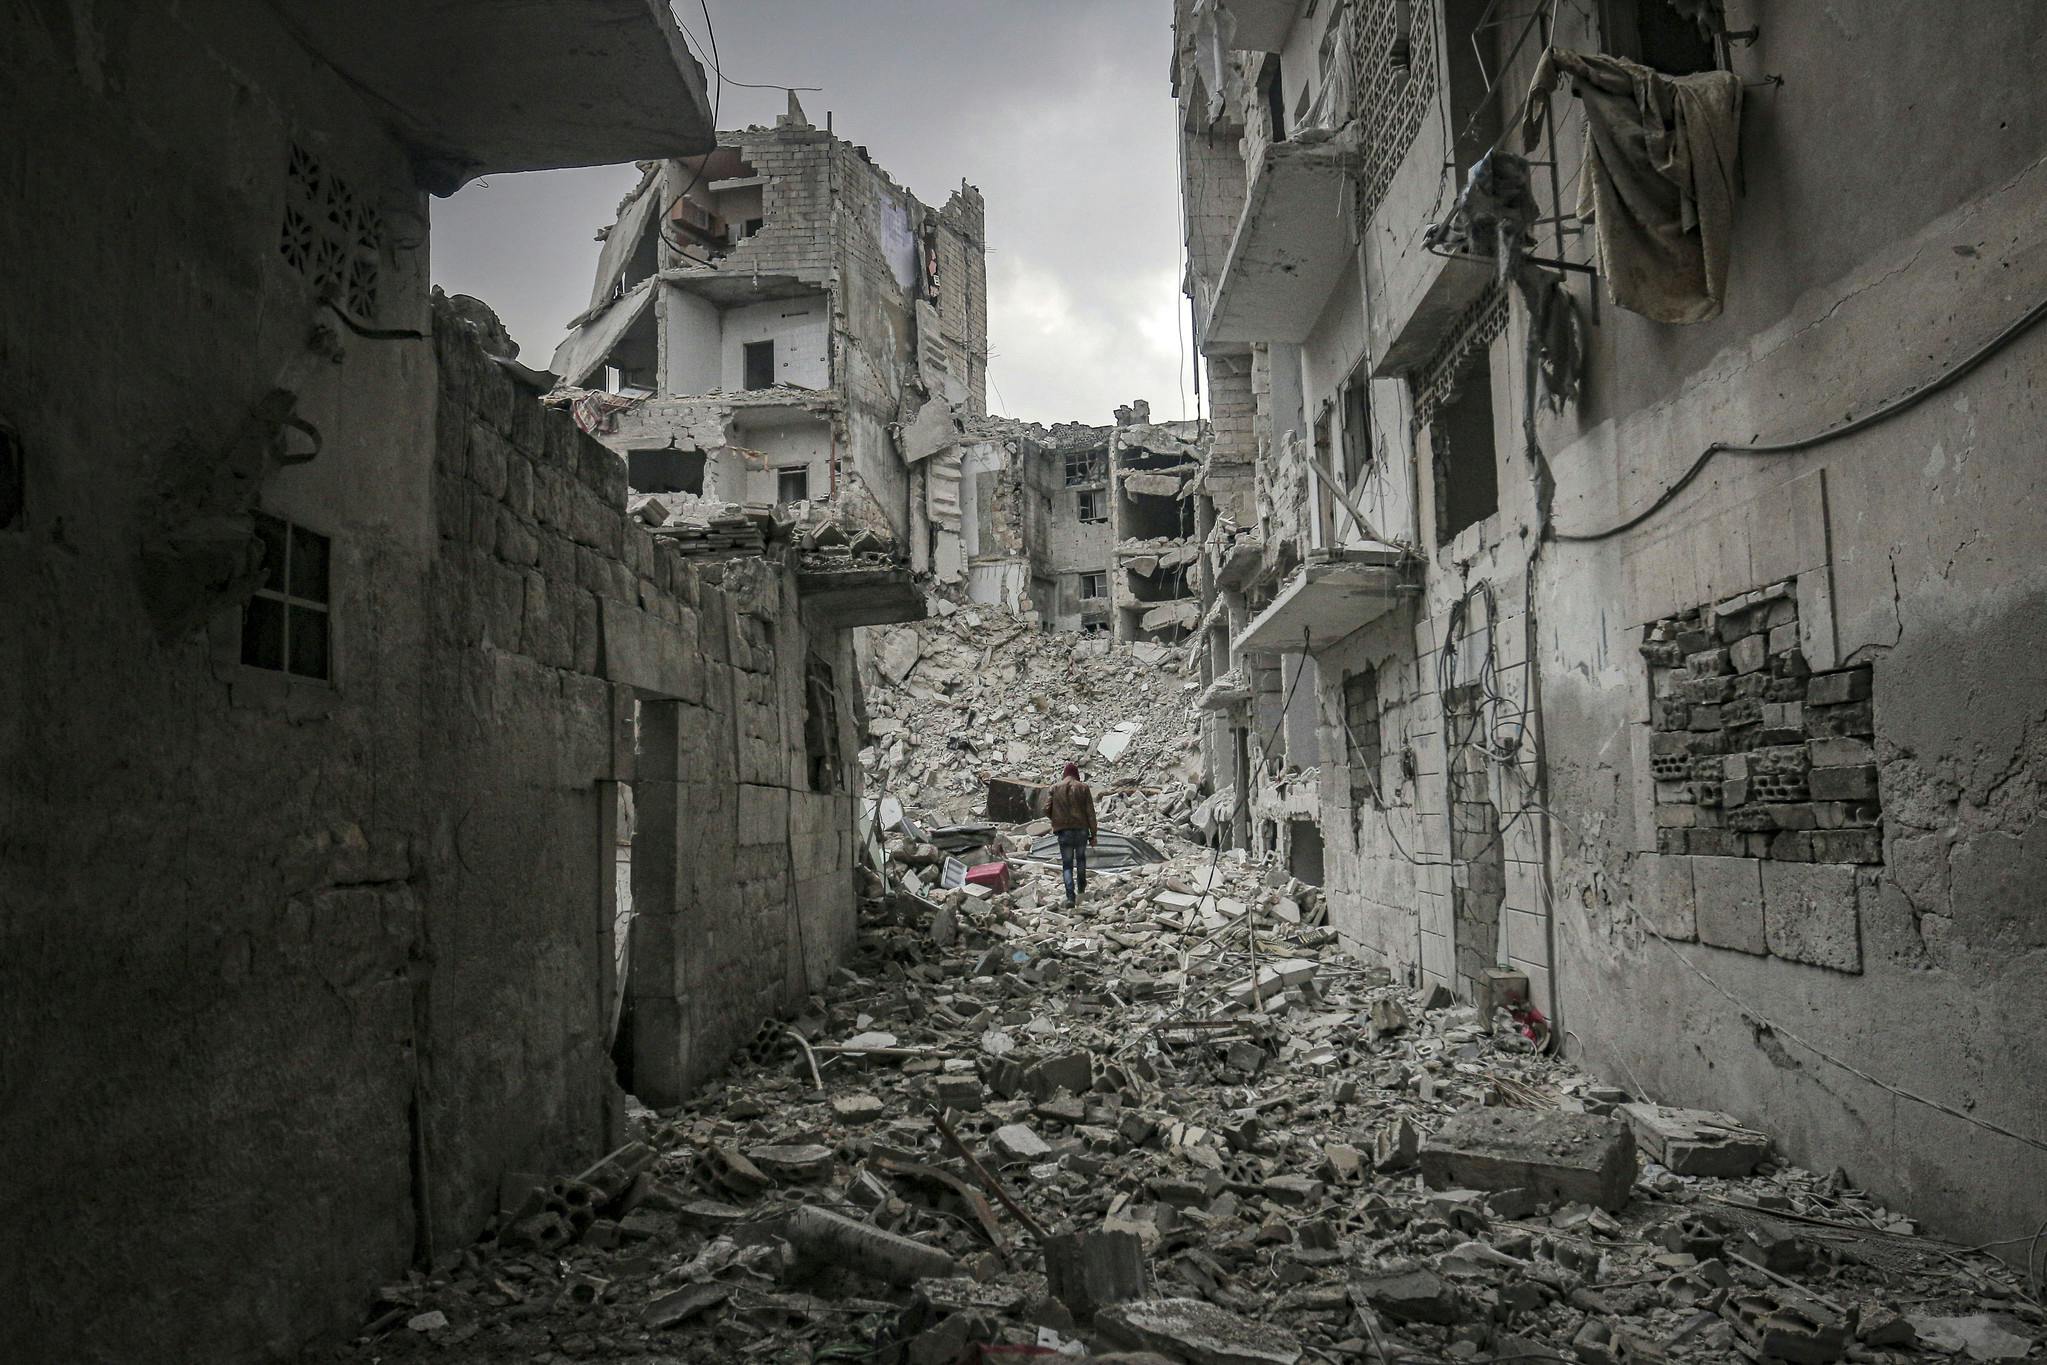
1915	566
292	972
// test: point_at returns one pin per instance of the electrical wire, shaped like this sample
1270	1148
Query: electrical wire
1903	403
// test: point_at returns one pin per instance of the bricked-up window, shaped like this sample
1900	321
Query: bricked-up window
821	726
1361	738
760	364
1086	466
1461	437
1094	586
1753	754
287	625
1093	504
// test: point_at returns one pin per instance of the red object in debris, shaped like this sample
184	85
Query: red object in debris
1533	1026
994	876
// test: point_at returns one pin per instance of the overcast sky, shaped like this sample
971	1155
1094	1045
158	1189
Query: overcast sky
1058	109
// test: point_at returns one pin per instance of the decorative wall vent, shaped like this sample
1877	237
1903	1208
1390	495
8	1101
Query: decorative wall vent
330	236
1393	71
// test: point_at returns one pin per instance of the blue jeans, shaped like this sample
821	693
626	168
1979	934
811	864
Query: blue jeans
1073	862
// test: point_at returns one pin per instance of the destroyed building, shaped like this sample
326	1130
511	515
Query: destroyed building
777	323
1655	534
326	655
1035	519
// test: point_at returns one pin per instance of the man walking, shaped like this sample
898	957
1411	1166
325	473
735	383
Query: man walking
1072	809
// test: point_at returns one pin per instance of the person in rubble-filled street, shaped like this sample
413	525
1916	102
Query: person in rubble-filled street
1072	808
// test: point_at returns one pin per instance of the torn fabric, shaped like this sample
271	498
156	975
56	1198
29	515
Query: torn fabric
1658	179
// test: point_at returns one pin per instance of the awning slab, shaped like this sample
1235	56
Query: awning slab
1292	244
837	599
1324	602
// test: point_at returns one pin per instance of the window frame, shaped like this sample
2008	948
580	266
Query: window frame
748	352
1084	467
1082	580
1100	497
784	473
291	531
1364	753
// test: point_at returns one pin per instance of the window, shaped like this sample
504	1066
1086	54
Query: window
629	381
665	470
286	625
1094	586
1094	504
1361	740
1658	35
1275	104
1461	435
792	484
1086	466
821	726
760	364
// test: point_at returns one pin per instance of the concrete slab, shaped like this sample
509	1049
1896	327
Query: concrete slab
1564	1158
1695	1141
1809	914
1327	602
1728	893
1197	1332
1289	249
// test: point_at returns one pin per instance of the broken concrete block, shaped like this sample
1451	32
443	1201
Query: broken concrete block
1271	981
1197	1332
679	1306
864	1248
858	1108
1404	1291
1015	1142
959	1092
1089	1271
1695	1141
1397	1145
1072	1072
802	1163
1389	1015
1559	1157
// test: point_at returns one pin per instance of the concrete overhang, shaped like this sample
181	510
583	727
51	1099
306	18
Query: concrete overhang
839	599
1241	564
1451	288
1262	25
1329	600
480	86
1231	689
728	288
1291	246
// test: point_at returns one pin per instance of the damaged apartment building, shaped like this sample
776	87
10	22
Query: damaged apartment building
777	324
1619	535
328	654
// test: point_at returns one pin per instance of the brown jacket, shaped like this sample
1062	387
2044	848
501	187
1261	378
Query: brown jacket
1071	806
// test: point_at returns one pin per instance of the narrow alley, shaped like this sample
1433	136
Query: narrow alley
940	682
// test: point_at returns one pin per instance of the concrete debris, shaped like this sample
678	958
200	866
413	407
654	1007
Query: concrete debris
1178	1119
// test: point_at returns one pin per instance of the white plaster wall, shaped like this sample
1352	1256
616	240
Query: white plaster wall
693	340
800	329
804	441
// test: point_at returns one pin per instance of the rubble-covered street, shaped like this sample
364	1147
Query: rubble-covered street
1174	1119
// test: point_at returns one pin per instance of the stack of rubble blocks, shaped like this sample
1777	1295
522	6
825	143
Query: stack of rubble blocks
1753	754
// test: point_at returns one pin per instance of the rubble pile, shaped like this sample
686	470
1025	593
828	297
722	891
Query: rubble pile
1178	1119
977	692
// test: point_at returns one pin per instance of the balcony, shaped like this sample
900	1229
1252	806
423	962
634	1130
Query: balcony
1291	245
1327	600
478	87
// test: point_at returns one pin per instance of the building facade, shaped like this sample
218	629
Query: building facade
779	324
326	652
1661	580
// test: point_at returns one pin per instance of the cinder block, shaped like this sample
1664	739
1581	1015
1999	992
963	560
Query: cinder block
1728	893
1809	914
1555	1156
1835	689
1843	784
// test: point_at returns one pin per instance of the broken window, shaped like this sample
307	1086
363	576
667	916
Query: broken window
792	484
1362	740
286	625
760	364
1304	851
1461	438
1275	104
821	726
629	381
1474	111
1094	586
1086	466
1094	504
665	470
1659	35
